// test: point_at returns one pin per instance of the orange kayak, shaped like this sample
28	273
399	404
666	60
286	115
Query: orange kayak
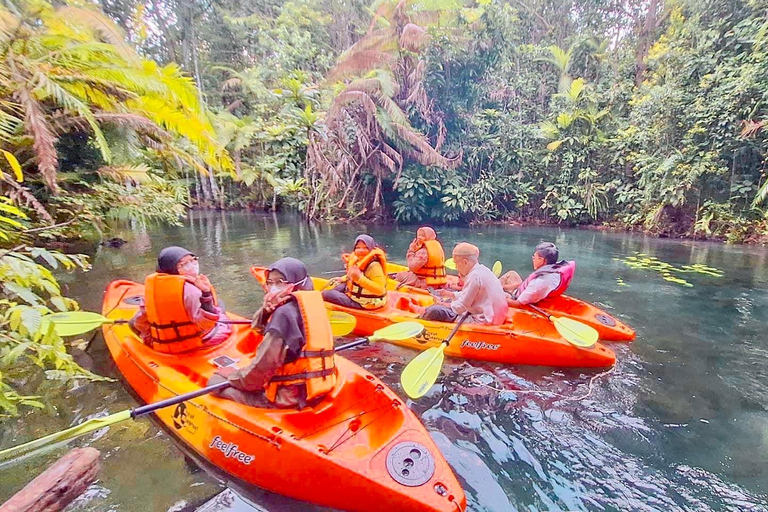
608	327
526	337
360	449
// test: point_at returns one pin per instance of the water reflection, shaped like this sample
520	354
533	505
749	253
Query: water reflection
681	423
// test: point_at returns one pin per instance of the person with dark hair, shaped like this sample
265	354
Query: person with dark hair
365	285
550	277
426	261
294	363
180	310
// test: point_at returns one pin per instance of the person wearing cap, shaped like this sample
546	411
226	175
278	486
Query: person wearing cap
179	311
365	285
482	295
426	261
294	364
550	277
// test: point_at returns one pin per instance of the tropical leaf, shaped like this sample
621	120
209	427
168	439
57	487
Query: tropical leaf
14	165
134	174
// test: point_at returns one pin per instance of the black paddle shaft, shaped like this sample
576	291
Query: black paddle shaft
162	404
460	321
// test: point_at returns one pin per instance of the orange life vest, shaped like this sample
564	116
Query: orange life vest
356	292
315	366
433	272
171	329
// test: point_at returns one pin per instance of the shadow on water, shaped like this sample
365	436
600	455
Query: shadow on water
681	422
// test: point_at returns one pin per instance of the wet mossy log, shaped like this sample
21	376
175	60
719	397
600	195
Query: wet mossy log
57	486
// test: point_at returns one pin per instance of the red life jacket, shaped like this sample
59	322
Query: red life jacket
566	269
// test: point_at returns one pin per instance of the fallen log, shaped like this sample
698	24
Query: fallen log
57	486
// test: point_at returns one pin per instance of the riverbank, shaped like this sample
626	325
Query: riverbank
750	234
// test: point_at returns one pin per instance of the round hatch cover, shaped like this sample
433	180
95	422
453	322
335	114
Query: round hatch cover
605	320
133	301
410	464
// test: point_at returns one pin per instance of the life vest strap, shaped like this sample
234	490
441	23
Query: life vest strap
171	325
426	271
361	295
317	353
303	375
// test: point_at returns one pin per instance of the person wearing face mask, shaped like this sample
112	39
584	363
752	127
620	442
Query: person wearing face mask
365	286
180	310
294	363
426	261
482	295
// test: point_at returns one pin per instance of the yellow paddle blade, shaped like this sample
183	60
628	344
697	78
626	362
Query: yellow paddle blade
397	332
577	333
341	323
73	323
70	433
497	268
421	373
449	263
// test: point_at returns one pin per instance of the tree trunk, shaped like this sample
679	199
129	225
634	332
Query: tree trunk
57	486
205	186
644	40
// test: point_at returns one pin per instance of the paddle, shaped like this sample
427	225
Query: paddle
421	373
393	332
497	267
575	332
73	323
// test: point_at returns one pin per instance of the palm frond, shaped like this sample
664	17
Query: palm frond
135	174
44	141
100	24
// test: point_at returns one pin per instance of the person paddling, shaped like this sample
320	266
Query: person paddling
482	295
294	363
365	286
180	310
550	277
426	261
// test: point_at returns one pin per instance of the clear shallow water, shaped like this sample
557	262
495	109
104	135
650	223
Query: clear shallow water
681	422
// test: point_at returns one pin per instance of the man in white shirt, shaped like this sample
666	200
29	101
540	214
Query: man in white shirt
482	295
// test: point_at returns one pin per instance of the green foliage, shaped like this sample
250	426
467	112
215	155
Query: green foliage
28	291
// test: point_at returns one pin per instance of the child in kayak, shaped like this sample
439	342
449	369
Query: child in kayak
294	363
365	286
481	295
426	261
180	310
550	277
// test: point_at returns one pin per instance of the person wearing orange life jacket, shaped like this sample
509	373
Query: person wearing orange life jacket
550	277
180	311
294	364
426	261
365	286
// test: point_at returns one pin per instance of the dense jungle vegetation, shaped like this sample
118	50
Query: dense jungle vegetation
635	114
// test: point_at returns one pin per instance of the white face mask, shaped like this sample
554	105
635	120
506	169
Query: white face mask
190	269
275	289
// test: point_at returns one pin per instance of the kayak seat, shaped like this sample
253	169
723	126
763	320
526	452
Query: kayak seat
411	304
349	406
249	343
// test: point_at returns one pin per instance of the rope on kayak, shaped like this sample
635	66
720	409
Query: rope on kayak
474	380
327	426
341	440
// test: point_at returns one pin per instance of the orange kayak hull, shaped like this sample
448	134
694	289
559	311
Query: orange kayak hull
527	338
608	327
341	453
